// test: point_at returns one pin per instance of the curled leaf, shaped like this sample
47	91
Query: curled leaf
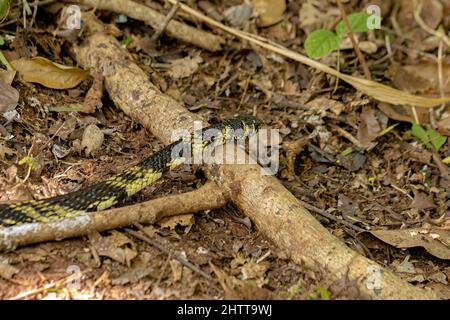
49	74
270	11
436	242
8	98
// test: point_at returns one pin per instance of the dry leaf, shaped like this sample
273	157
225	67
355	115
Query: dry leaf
368	127
7	271
269	11
403	113
4	150
92	139
110	247
236	289
430	72
93	98
177	270
185	67
49	74
436	242
422	201
7	75
406	266
139	269
183	220
9	97
419	78
253	270
238	15
444	126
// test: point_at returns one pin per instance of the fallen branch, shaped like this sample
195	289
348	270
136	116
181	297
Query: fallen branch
207	197
155	19
275	211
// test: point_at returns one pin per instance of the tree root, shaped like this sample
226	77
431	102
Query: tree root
207	197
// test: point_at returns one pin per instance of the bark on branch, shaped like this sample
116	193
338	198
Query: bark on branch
155	19
276	212
209	196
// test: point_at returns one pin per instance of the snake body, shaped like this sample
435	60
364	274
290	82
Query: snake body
118	188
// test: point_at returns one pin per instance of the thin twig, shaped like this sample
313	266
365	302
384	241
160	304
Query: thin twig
171	254
75	276
360	56
332	217
166	21
425	27
440	76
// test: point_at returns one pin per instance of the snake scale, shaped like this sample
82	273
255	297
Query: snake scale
118	188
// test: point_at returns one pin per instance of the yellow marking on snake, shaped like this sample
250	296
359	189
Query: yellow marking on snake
106	203
176	162
137	185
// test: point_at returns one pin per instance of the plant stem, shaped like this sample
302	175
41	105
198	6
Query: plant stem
5	61
361	59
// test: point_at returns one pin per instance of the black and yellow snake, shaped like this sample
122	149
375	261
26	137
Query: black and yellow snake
118	188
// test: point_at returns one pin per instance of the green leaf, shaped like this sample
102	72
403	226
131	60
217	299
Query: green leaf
29	161
2	40
436	139
4	9
419	132
320	43
324	293
126	41
357	22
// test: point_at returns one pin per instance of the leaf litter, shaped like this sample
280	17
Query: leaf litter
391	186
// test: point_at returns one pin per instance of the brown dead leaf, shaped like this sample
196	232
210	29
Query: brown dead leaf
436	242
253	270
183	68
236	289
139	269
7	270
111	247
368	127
269	11
419	78
7	76
177	270
431	13
403	113
64	129
238	15
4	150
321	105
183	220
93	98
422	201
49	74
92	139
9	97
406	266
444	126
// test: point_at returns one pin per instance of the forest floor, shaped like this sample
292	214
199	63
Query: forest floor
332	157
